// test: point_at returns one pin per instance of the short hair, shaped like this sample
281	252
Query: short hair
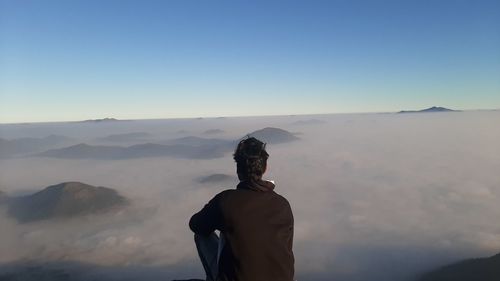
251	159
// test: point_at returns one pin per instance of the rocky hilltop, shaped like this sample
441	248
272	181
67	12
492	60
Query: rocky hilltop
65	200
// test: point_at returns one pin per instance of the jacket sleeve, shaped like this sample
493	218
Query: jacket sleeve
208	219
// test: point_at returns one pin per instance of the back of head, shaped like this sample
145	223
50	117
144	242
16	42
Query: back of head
251	159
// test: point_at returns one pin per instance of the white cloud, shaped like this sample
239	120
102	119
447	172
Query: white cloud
361	187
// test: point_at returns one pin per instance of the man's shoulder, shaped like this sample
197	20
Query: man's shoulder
282	199
223	194
238	192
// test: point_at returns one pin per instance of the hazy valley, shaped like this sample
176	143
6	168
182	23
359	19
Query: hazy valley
375	196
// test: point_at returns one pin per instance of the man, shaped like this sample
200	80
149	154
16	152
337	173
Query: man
256	225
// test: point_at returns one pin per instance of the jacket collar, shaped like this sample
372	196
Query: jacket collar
256	185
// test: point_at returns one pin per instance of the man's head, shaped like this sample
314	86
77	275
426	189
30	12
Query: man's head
251	159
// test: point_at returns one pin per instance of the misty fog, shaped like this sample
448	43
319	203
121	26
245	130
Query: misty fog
375	196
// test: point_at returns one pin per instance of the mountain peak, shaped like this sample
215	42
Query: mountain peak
65	200
430	109
273	135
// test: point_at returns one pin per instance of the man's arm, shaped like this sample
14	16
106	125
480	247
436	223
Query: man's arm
207	220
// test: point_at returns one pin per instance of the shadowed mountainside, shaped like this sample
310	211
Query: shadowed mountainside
77	271
85	151
102	120
430	109
216	178
190	147
65	200
481	269
20	146
273	135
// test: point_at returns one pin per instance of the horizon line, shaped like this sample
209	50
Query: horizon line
222	116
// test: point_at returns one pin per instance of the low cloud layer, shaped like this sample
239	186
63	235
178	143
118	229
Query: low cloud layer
375	196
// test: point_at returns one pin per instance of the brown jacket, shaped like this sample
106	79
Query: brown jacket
257	224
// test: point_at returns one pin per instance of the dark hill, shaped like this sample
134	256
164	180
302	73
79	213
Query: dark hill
85	151
273	135
482	269
64	270
20	146
65	200
430	109
216	178
102	120
189	147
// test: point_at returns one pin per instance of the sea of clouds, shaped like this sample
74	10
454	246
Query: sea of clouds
375	196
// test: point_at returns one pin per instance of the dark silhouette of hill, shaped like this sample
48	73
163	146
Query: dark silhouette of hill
65	200
216	178
85	151
102	120
135	136
308	122
190	147
21	146
430	109
481	269
78	271
213	132
273	135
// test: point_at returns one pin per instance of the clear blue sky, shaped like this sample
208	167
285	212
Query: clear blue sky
73	60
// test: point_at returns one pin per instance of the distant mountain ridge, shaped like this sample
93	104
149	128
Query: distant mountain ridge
134	136
20	146
430	109
65	200
216	178
273	135
481	269
85	151
189	147
102	120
